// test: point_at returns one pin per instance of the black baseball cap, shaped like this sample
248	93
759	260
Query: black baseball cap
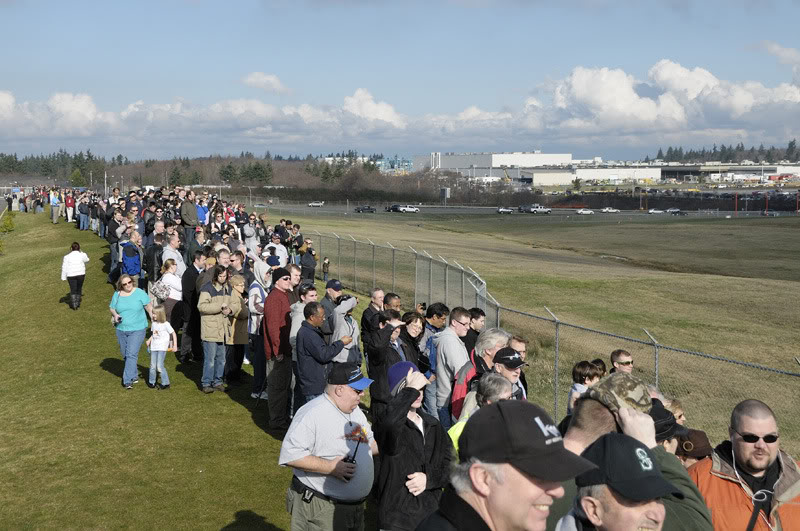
628	467
522	435
334	284
509	358
666	425
348	374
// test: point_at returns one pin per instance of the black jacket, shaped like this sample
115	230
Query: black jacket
313	359
454	514
404	451
369	325
190	295
383	356
470	339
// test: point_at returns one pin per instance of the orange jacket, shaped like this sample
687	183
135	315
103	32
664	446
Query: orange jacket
729	498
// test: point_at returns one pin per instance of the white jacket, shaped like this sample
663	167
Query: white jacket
343	326
297	318
175	285
74	264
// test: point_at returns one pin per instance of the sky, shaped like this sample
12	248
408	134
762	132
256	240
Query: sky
611	78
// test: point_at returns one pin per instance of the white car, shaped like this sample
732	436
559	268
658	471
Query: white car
504	210
409	209
585	211
610	210
655	211
316	203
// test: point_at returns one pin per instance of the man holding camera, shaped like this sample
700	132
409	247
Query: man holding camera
330	447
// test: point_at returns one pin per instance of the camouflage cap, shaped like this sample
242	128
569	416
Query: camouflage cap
620	389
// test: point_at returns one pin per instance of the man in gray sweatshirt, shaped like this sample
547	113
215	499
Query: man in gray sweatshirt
451	355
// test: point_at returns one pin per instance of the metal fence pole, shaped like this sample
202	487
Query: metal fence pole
355	252
655	352
338	256
446	284
394	252
555	366
430	279
416	275
373	264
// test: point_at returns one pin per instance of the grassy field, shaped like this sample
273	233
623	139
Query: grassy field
81	452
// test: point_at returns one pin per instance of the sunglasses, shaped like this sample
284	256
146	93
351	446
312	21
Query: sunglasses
751	438
127	283
625	363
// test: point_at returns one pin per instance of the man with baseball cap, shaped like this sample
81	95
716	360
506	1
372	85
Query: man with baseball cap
508	363
512	464
620	403
330	447
624	492
333	290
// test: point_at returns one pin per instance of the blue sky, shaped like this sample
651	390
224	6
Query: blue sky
612	78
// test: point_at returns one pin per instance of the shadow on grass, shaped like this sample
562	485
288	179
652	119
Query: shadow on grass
240	393
249	520
65	299
116	366
192	371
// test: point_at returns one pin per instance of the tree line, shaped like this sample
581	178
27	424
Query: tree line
729	154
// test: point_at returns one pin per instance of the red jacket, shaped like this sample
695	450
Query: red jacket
69	202
475	367
277	324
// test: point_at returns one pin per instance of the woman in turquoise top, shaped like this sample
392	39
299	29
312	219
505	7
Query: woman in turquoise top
128	307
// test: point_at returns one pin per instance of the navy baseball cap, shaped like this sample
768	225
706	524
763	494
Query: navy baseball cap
348	374
666	425
628	467
509	357
334	285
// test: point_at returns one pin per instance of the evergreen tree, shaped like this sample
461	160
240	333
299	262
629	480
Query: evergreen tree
175	176
228	173
76	178
660	155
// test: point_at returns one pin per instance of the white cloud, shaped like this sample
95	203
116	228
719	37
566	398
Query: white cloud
600	108
787	56
268	82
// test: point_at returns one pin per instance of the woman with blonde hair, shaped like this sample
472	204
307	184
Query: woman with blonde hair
170	278
129	309
234	356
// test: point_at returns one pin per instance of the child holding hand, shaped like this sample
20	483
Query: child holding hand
163	339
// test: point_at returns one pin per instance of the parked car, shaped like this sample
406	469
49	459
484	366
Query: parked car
409	209
364	209
539	209
655	211
673	210
584	211
504	210
770	213
610	210
316	203
678	212
524	208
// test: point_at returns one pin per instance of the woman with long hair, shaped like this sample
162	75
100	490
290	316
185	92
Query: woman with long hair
73	270
173	281
129	308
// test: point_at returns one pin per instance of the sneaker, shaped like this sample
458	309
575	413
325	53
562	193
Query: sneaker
162	387
127	386
220	387
151	385
208	390
246	362
263	395
135	380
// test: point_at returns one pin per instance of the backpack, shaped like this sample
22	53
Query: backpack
131	264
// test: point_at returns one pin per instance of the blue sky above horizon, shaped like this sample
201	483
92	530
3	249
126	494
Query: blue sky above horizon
616	79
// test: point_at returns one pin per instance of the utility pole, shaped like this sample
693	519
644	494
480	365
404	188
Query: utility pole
90	181
105	184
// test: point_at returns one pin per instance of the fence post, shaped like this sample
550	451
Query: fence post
446	278
416	275
393	268
321	252
555	366
355	252
338	256
655	352
373	262
463	295
430	277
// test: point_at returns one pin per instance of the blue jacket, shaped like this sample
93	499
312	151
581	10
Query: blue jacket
314	357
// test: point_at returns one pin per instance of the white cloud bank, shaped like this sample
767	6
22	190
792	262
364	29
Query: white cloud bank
600	110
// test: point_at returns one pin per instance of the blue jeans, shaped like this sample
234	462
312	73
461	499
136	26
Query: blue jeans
157	363
101	229
444	417
129	345
213	363
83	221
429	399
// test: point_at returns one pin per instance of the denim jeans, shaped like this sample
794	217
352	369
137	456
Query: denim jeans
429	400
101	229
114	265
157	363
213	363
444	417
129	345
83	221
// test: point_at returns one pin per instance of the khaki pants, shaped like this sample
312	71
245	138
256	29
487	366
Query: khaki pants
319	515
279	380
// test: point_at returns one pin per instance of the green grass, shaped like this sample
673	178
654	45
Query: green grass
81	452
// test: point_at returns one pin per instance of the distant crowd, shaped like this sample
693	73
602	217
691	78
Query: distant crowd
449	439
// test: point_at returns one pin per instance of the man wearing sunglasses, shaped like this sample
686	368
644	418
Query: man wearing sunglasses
749	482
621	361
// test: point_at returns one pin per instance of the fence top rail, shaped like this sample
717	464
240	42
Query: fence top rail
652	343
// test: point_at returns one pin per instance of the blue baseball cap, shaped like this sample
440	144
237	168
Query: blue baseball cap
348	374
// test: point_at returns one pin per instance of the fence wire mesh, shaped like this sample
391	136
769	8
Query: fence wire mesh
707	386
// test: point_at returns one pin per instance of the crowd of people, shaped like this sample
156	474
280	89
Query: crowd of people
450	439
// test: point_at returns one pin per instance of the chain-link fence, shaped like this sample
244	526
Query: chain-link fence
707	386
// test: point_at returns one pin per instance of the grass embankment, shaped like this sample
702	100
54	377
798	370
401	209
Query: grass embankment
78	450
